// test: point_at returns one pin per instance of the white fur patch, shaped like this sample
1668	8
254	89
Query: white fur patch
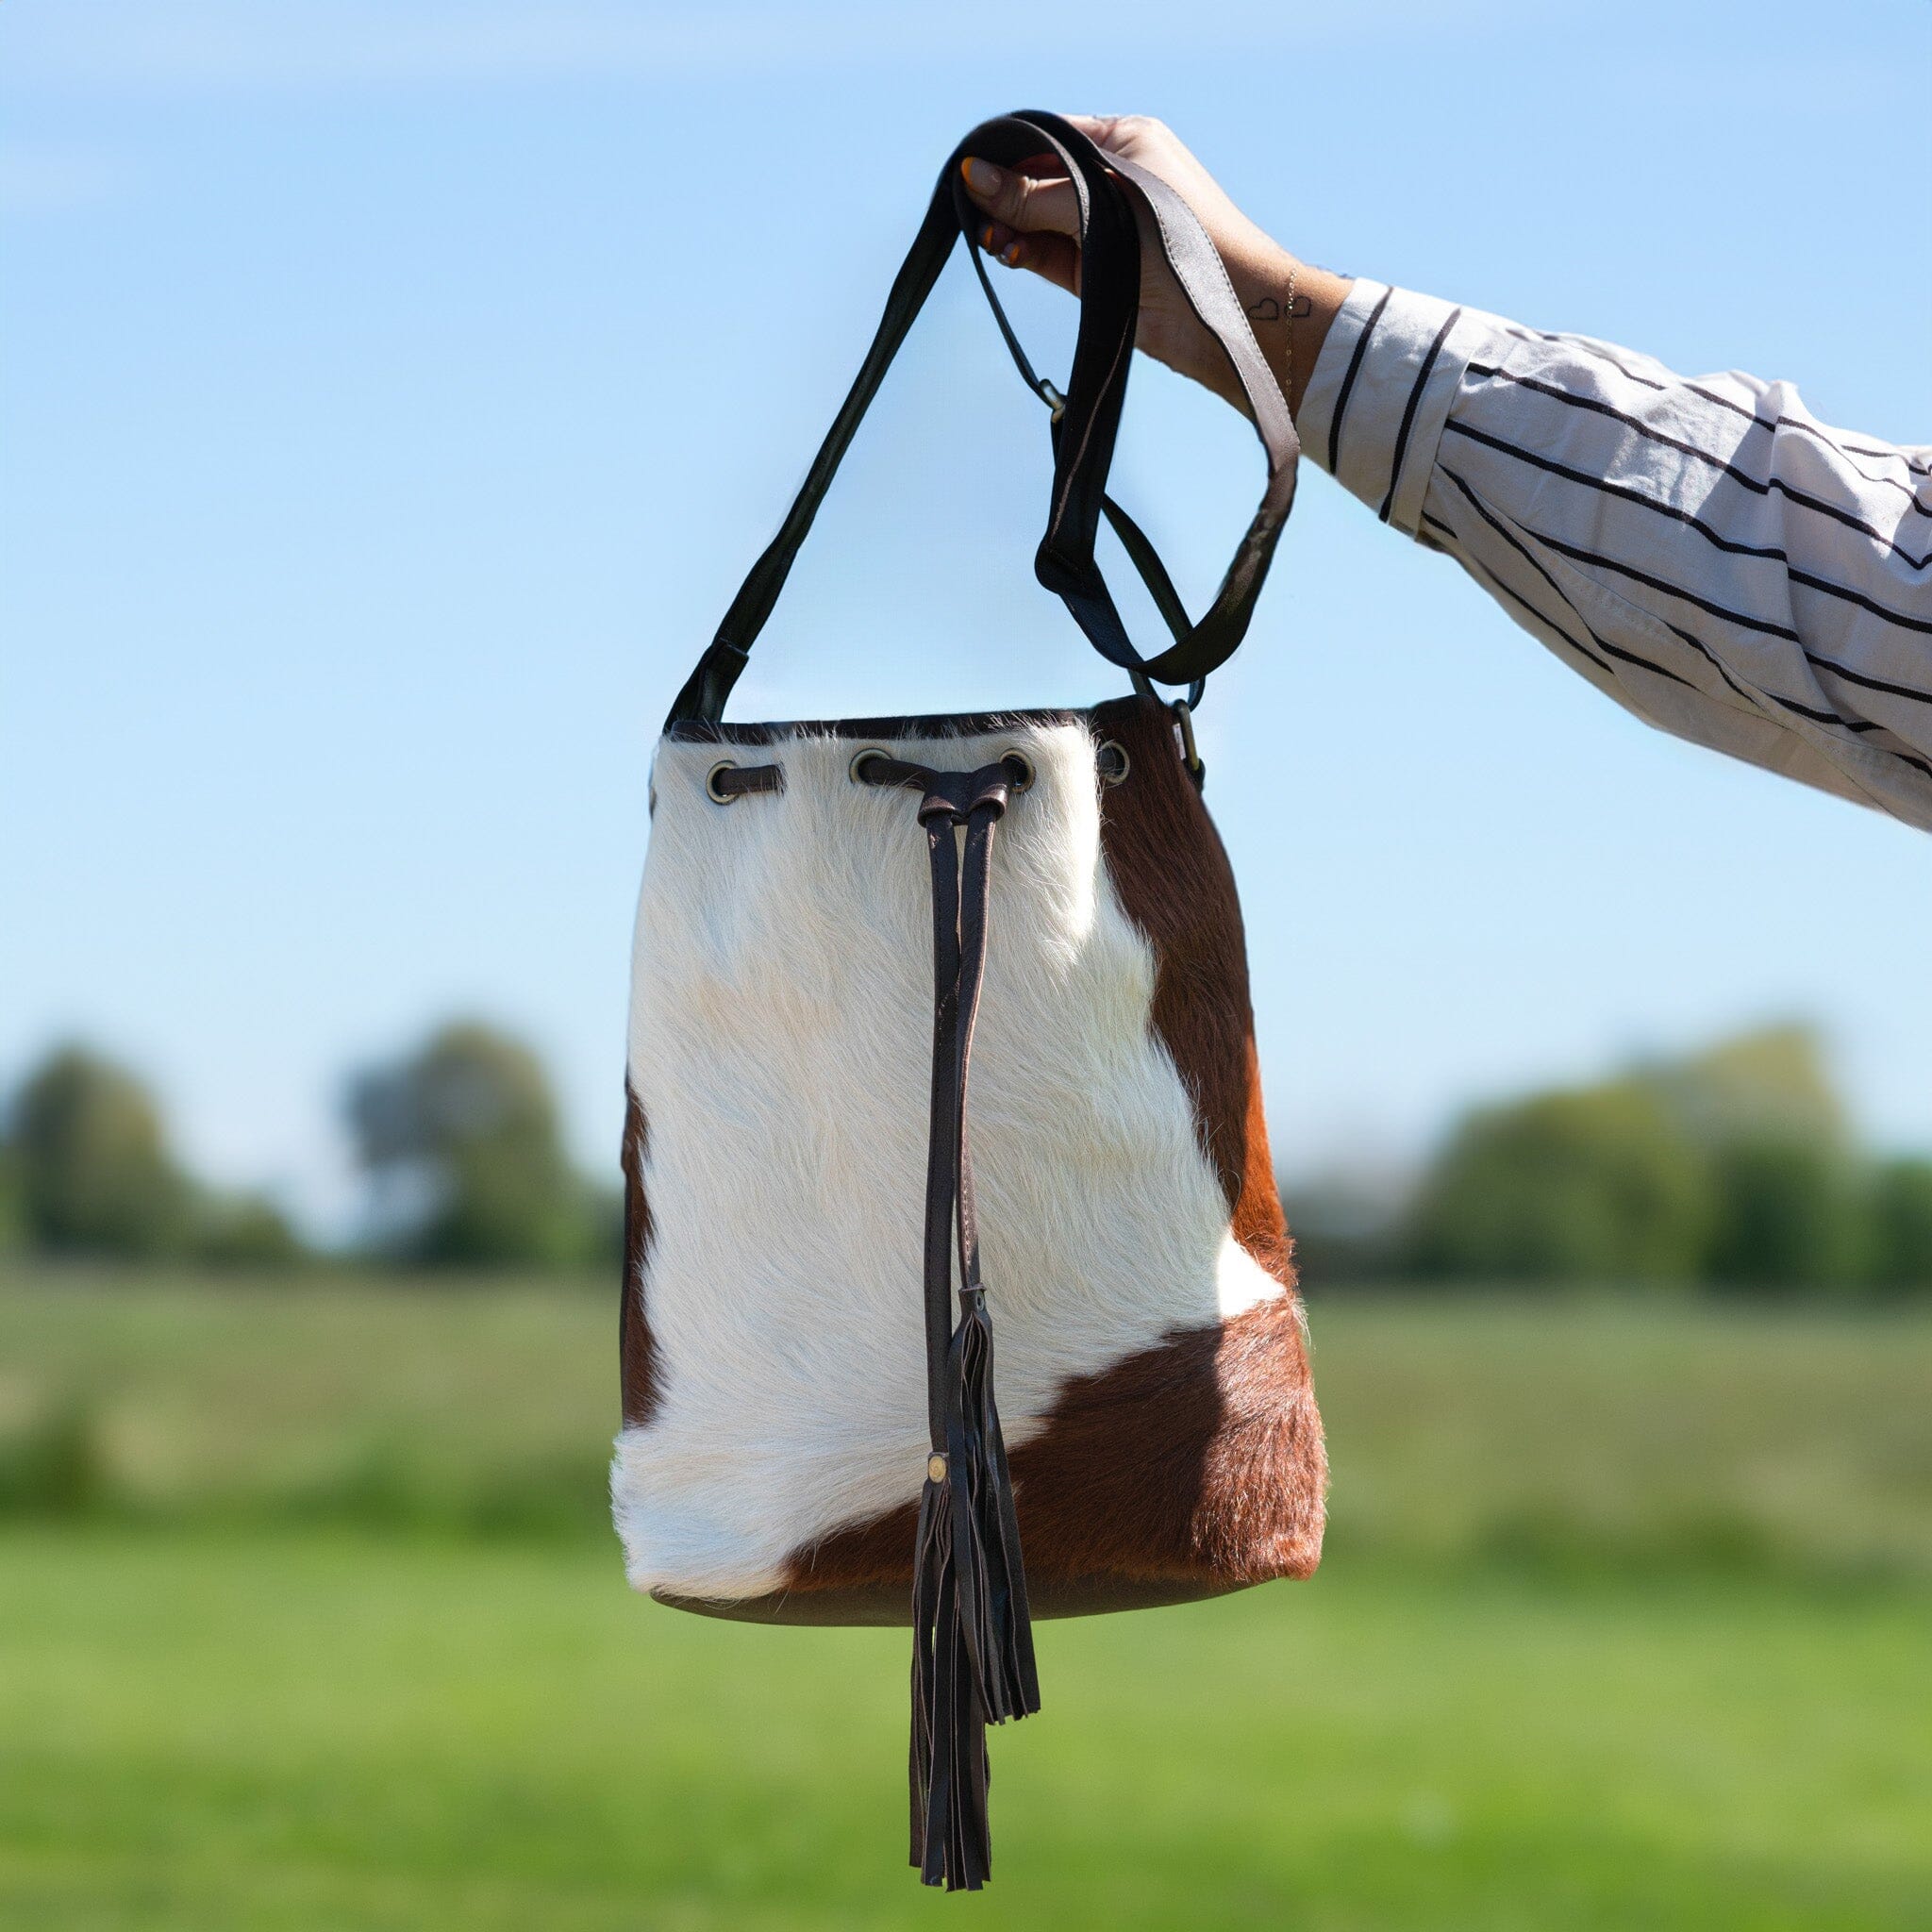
780	1044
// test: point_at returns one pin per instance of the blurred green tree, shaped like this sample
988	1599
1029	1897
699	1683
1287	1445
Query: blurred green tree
1786	1213
462	1141
95	1173
1786	1207
12	1209
245	1231
1735	1165
1899	1210
1598	1184
1772	1083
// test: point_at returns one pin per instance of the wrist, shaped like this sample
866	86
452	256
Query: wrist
1291	314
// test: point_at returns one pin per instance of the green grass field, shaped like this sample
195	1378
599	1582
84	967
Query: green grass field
1628	1622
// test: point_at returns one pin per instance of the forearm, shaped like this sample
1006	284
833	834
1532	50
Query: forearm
1704	552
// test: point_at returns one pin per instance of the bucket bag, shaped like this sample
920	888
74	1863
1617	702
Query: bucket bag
855	942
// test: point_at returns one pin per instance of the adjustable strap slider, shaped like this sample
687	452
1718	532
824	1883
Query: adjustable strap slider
1191	757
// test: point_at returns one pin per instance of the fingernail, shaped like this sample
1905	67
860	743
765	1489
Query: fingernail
981	177
986	238
1011	254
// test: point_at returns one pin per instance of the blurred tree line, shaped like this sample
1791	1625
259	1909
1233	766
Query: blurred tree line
1734	1169
459	1141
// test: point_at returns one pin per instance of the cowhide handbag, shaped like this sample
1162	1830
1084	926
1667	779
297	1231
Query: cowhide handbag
837	921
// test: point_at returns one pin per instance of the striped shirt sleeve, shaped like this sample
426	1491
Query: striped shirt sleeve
1704	552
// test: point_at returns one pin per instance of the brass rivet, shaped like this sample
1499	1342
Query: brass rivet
936	1469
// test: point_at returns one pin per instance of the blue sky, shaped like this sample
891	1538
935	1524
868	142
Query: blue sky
393	395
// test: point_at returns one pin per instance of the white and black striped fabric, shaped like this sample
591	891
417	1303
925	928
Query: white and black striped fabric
1705	552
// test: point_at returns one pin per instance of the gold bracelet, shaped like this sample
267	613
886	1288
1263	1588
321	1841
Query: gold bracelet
1288	386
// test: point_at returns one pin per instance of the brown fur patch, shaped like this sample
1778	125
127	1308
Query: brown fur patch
637	1352
1173	879
1186	1470
1258	1222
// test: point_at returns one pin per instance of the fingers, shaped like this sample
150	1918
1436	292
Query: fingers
1135	136
1101	129
1055	256
1029	204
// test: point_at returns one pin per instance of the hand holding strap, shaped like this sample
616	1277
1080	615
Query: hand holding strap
1069	566
1086	420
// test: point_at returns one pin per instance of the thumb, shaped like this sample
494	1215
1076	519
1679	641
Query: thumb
1028	203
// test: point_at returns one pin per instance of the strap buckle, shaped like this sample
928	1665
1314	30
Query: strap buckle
1053	399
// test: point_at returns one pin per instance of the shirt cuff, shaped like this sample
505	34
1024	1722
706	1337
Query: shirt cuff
1382	388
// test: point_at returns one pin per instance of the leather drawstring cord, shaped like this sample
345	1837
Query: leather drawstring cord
972	1633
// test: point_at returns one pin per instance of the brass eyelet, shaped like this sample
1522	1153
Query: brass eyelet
711	791
861	758
1113	762
1023	779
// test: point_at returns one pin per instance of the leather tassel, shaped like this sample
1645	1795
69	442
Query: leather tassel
994	1616
972	1646
950	1835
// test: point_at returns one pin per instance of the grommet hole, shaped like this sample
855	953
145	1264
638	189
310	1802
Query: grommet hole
1112	761
856	770
711	778
1019	768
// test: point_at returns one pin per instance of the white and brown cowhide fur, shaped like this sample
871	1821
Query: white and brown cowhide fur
1151	1371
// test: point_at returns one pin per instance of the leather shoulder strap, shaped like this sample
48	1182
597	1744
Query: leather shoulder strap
1086	421
1066	564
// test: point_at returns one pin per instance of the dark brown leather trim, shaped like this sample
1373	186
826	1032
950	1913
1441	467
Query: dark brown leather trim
879	1608
637	1352
934	725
